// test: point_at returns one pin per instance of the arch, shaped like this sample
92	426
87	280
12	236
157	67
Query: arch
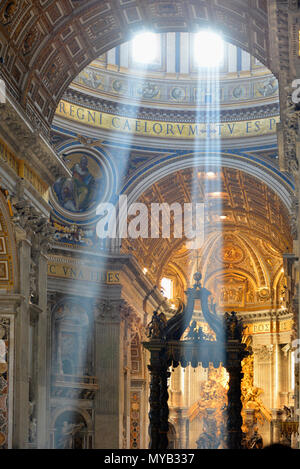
162	167
76	34
86	416
71	429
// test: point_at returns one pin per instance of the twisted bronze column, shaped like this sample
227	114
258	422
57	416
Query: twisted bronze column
159	409
164	407
234	409
154	400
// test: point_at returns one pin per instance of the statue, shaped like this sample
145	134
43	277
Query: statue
32	430
174	328
3	351
256	441
155	329
208	438
196	333
68	432
233	326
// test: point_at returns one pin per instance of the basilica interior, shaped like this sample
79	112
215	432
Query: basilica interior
166	103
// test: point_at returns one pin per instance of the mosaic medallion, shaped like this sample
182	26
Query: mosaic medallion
85	189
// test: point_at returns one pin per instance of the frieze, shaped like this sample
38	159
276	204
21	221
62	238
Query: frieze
98	28
84	273
172	115
269	327
183	92
164	129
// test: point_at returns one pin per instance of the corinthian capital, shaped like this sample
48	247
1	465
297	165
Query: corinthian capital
36	226
112	310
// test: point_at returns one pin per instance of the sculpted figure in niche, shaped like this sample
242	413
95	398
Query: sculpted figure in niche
68	434
239	295
32	430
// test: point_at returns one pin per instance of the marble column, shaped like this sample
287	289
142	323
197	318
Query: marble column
109	366
127	384
21	381
41	346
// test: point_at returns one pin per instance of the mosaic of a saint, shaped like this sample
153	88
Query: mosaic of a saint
79	193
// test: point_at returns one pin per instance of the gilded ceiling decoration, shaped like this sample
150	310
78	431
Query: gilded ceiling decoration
176	80
241	258
46	43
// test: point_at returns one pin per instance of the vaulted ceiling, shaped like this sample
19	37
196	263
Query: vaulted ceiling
44	44
256	229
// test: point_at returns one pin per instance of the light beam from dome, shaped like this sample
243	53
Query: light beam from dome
145	47
208	49
208	178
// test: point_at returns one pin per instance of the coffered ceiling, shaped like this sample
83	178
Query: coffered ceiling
244	219
44	44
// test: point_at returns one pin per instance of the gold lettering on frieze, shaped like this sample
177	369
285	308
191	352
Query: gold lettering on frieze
162	129
268	327
84	273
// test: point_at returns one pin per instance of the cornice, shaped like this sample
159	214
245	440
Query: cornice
26	143
258	316
171	114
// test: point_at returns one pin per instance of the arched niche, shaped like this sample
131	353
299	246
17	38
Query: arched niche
71	429
71	336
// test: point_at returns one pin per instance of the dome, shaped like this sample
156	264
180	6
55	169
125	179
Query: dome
174	79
